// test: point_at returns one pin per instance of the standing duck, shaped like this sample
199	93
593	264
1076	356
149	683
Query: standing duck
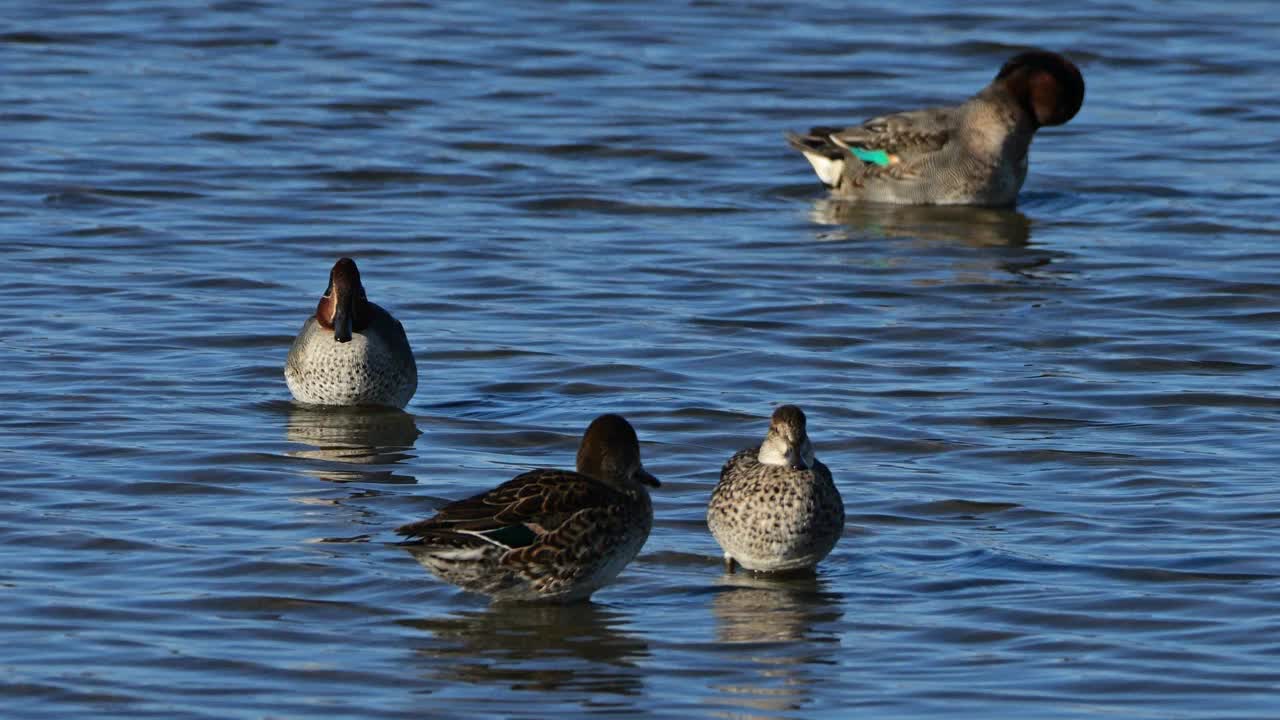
974	153
775	507
351	351
546	535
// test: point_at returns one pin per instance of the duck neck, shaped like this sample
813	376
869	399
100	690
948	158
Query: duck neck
995	127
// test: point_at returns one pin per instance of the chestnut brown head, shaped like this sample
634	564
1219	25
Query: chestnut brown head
344	309
1048	85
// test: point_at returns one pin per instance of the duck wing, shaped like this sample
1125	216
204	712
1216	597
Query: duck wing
897	139
516	514
890	147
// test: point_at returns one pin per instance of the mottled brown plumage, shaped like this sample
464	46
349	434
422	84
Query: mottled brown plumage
776	507
546	535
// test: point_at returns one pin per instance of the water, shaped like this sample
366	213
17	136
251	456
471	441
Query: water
1053	427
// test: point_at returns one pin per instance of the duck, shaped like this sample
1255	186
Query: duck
776	508
974	153
546	536
351	351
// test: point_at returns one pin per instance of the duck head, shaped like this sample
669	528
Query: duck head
344	309
1047	85
787	442
610	452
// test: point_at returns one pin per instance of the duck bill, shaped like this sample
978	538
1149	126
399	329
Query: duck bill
795	461
643	476
342	315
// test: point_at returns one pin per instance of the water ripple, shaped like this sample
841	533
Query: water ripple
1052	425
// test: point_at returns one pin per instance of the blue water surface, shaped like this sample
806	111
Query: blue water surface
1053	427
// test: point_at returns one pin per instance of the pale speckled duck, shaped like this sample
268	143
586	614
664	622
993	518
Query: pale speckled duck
350	351
546	535
974	153
776	508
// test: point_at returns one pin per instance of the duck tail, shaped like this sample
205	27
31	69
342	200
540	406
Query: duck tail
827	158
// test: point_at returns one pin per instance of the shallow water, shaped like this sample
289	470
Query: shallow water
1053	427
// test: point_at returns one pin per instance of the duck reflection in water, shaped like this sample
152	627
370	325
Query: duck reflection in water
1004	230
790	623
537	648
975	226
350	444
